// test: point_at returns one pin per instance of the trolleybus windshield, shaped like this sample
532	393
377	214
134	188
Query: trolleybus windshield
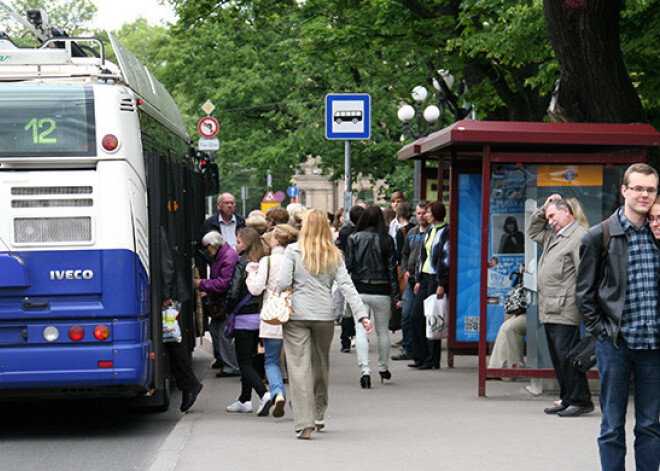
46	121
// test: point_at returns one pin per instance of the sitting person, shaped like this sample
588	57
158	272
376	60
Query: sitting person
509	348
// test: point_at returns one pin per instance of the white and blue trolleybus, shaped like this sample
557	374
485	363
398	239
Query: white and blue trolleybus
95	165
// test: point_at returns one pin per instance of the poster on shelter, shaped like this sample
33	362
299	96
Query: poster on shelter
507	239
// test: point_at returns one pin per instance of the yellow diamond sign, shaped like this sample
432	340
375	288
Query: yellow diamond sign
208	107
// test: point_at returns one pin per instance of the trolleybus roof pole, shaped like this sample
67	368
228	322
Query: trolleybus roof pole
38	33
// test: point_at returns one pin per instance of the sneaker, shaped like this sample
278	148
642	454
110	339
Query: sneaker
280	402
345	349
264	405
239	406
189	396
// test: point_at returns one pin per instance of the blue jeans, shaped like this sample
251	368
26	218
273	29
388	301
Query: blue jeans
408	299
272	352
615	367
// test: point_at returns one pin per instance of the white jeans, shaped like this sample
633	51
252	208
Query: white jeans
381	307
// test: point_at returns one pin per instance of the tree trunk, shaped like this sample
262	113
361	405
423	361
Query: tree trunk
594	83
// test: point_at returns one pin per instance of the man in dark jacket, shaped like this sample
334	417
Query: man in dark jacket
226	222
617	293
180	362
410	257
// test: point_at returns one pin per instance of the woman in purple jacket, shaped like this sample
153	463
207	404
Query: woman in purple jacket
216	288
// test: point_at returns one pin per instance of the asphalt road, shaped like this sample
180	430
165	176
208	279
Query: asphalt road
85	435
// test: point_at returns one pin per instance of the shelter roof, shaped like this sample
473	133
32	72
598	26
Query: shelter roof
468	137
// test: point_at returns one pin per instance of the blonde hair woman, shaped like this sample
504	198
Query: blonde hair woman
310	267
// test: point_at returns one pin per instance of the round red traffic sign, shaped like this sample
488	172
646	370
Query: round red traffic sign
208	127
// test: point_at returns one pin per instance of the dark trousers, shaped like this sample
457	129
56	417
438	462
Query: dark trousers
347	331
573	386
180	365
245	343
424	350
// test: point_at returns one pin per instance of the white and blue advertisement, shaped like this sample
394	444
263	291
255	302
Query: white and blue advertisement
505	249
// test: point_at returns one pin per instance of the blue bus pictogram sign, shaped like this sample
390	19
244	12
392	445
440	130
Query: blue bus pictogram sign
348	116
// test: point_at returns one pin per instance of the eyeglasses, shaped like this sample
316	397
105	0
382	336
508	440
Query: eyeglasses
654	219
642	189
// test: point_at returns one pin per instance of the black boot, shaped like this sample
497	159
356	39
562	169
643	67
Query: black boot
188	396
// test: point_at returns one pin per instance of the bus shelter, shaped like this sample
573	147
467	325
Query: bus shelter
494	175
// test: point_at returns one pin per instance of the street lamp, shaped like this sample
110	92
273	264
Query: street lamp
446	99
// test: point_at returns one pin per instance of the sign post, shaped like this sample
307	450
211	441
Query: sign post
208	128
347	116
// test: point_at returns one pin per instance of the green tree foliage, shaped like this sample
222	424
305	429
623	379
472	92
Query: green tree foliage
268	64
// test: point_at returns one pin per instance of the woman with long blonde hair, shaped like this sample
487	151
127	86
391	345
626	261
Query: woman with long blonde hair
310	267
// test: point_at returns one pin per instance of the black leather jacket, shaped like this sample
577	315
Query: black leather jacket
365	260
238	290
601	284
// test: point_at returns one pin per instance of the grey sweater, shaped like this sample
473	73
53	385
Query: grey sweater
311	296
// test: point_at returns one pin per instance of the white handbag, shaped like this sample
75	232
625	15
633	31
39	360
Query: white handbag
277	309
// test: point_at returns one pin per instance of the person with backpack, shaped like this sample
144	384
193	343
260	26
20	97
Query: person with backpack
617	293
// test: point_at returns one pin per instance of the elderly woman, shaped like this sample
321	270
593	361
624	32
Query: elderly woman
216	287
310	267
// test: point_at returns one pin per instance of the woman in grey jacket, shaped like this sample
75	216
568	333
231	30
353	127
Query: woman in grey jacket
310	267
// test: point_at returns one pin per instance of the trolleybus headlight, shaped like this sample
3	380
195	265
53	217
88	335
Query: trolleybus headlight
110	143
76	333
101	333
51	333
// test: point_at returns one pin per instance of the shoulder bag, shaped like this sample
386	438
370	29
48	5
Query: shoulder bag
277	308
516	298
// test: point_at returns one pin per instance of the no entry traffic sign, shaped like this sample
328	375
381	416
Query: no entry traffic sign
208	127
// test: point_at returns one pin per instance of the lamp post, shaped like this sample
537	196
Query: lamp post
446	99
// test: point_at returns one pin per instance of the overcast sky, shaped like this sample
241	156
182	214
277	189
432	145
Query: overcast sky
112	14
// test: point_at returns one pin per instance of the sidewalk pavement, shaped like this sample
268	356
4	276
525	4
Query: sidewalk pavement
418	420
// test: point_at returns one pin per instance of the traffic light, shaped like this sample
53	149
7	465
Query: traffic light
210	176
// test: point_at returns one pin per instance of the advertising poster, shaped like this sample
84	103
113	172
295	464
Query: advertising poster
469	254
507	240
505	249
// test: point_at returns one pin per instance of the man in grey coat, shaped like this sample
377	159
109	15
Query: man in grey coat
556	229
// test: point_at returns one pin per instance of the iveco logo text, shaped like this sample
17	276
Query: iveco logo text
71	274
4	58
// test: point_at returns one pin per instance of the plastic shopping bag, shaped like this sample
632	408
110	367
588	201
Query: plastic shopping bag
434	311
171	329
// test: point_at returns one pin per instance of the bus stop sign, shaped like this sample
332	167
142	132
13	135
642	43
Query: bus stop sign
348	116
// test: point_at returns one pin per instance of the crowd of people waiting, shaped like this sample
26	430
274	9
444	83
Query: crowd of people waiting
377	264
382	267
383	264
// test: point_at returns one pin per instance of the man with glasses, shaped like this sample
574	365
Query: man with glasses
226	222
617	293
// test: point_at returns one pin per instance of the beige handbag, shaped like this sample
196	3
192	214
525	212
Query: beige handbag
277	309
